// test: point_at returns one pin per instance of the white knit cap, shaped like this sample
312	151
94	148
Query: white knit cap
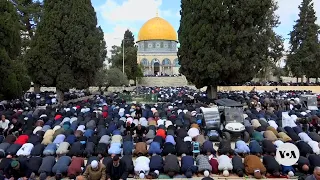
225	173
291	174
157	172
206	173
94	164
187	138
141	175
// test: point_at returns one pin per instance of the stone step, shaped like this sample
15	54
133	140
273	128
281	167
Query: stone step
164	81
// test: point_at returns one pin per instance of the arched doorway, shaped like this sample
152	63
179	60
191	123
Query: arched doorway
156	68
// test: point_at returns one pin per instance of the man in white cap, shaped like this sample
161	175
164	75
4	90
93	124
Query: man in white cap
95	171
142	167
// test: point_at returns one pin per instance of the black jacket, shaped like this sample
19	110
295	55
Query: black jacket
127	160
168	148
156	163
101	148
34	164
225	147
13	149
292	134
302	161
183	147
304	148
271	164
268	147
115	173
34	139
89	149
314	160
237	164
37	150
76	149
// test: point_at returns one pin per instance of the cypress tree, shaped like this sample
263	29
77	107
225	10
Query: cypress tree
68	47
225	42
131	68
304	43
11	84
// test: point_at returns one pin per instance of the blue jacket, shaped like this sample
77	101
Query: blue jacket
51	148
156	163
255	147
155	148
71	139
74	125
208	147
88	133
111	128
187	164
116	132
241	147
127	147
286	169
115	148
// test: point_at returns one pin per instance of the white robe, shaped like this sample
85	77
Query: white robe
142	164
25	150
315	146
304	137
193	132
273	124
225	163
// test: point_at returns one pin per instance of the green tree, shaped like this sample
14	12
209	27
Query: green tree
68	47
131	67
304	43
225	42
29	12
110	77
12	82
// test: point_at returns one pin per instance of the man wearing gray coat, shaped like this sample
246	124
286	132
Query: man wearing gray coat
61	167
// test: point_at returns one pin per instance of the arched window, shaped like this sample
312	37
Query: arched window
166	62
155	61
176	63
144	62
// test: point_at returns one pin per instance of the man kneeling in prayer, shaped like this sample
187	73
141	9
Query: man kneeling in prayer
253	166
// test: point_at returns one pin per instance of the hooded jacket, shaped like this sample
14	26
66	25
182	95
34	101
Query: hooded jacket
171	164
252	163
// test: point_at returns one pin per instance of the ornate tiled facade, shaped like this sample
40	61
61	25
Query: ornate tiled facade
158	57
157	48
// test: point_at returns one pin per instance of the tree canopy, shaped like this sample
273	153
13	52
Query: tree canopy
304	43
223	43
14	79
68	48
131	68
110	77
29	12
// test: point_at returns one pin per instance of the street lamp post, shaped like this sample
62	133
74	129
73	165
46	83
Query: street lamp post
123	56
122	53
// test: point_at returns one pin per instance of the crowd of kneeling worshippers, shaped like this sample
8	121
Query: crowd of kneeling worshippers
100	139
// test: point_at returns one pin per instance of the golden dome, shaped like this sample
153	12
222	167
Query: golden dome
157	29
